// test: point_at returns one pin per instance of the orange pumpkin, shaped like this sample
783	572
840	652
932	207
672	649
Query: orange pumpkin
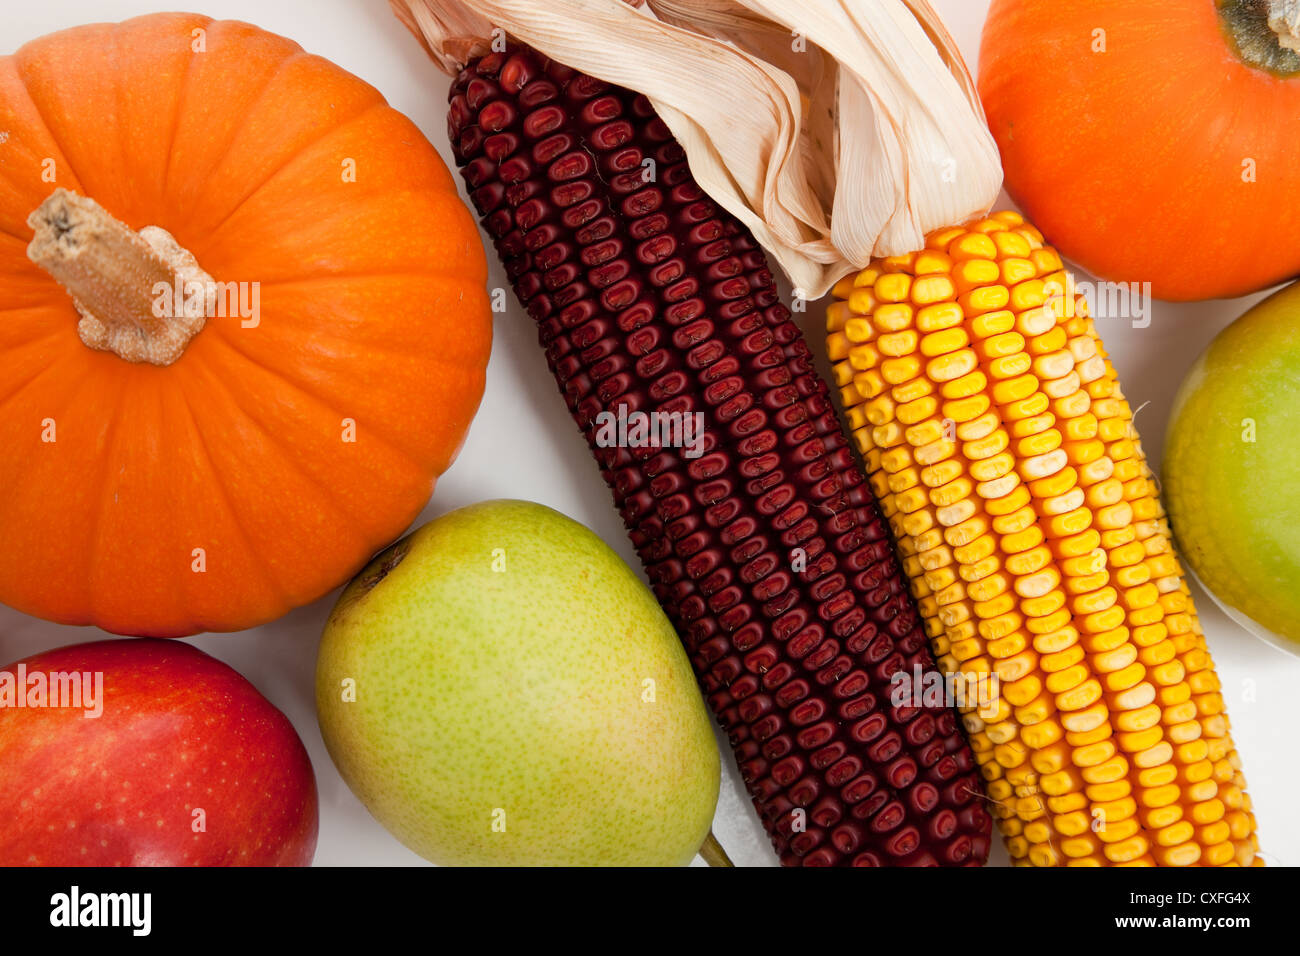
332	281
1152	141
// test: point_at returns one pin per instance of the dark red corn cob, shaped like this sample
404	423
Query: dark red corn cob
766	550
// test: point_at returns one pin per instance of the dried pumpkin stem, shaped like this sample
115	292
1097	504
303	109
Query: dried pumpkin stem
1284	20
140	295
1264	34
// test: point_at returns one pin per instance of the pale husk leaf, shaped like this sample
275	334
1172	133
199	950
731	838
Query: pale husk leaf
836	130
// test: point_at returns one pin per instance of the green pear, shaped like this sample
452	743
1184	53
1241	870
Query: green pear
1232	465
499	688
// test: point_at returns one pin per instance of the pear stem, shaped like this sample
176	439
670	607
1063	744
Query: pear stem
712	852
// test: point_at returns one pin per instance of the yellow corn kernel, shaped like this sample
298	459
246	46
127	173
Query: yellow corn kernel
931	289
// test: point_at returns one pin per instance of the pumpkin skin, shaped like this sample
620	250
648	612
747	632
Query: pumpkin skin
373	309
1132	159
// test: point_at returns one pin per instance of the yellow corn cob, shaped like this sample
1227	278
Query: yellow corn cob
1003	454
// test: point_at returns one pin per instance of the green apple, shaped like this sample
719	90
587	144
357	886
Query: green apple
1232	465
499	688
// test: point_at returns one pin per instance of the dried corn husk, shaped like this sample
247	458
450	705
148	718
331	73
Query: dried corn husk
836	130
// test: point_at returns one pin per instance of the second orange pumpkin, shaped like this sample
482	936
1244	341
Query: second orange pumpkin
1152	141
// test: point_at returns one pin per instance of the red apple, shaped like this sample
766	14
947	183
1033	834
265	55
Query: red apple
145	752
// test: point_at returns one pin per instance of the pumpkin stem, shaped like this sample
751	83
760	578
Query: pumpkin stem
1284	20
140	295
1264	34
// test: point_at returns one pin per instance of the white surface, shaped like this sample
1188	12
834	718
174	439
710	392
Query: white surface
524	445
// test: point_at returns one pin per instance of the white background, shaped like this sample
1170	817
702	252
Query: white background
524	445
